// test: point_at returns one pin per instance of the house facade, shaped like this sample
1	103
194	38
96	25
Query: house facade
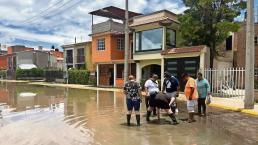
156	48
239	46
108	44
78	56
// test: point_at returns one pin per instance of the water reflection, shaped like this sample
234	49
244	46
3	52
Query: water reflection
42	115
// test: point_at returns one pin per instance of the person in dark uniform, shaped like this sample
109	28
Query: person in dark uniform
161	102
171	89
132	91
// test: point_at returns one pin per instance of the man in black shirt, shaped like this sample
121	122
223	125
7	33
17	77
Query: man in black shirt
132	92
171	89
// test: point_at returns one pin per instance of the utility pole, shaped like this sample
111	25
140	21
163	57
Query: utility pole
126	42
249	60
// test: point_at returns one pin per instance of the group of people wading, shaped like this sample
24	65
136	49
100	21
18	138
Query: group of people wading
195	92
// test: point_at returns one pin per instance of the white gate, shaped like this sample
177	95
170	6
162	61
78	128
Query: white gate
227	83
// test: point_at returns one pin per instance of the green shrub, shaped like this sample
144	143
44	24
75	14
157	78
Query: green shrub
92	80
78	77
52	75
34	72
3	74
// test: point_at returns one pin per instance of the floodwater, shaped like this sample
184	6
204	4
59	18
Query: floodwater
35	115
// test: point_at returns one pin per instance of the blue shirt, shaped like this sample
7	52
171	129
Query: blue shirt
203	88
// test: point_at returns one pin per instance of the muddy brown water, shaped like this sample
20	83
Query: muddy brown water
35	115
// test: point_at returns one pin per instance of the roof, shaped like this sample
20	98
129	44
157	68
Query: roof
75	44
113	12
163	16
180	50
156	12
115	61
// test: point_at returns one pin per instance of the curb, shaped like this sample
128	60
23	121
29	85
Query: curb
235	109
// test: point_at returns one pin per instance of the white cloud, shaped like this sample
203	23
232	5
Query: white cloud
63	24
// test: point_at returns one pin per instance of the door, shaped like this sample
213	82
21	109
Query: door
178	66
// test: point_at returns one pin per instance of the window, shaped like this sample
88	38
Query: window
149	40
171	38
120	43
229	43
101	44
256	40
80	55
69	56
120	71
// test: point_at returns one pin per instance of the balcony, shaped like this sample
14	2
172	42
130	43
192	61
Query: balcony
108	26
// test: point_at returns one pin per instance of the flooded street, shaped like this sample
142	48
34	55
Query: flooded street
35	115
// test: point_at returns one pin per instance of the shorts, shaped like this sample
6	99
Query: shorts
191	105
152	102
161	104
170	95
133	104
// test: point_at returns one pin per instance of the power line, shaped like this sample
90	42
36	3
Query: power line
49	12
59	12
43	11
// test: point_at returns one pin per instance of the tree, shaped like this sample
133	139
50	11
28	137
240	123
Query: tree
209	22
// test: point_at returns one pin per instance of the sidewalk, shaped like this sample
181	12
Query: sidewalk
232	104
14	81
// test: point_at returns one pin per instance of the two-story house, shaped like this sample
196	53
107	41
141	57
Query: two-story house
156	37
78	56
108	44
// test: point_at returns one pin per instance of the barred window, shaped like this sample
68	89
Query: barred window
120	43
101	44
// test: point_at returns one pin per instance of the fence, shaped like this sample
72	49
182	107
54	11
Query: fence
228	82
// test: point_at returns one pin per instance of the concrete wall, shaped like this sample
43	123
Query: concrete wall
107	26
40	59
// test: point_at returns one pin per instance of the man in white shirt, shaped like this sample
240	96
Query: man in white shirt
152	89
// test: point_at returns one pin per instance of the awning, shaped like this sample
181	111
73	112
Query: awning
27	66
180	50
113	12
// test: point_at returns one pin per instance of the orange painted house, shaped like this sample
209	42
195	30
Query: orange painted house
3	62
108	43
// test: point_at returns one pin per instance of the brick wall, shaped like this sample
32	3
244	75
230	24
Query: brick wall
240	47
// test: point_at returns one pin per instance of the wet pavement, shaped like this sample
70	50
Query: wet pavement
36	115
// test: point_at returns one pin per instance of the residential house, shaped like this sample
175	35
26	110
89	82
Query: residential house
239	46
3	62
59	58
108	46
79	56
156	49
40	59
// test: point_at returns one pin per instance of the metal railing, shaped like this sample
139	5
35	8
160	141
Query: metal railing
227	83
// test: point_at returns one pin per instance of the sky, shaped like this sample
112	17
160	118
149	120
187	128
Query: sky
57	22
